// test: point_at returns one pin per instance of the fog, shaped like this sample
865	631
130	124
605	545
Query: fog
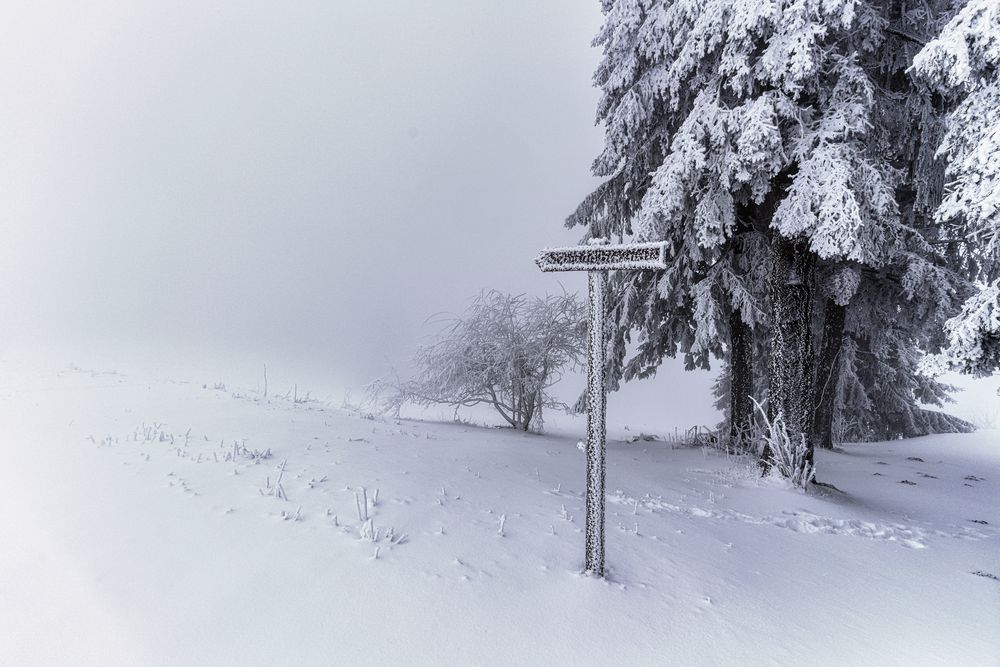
299	184
302	176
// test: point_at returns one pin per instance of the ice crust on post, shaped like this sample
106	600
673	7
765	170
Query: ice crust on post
596	427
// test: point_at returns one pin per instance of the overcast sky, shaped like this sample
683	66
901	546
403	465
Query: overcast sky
308	175
301	183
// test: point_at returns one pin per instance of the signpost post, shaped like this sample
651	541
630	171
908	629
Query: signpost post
597	259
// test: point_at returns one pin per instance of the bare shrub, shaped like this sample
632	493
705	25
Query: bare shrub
505	351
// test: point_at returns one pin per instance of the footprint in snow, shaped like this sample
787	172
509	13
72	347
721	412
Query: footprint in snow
908	482
915	458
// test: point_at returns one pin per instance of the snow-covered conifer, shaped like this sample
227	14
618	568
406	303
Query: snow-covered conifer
787	157
965	60
974	334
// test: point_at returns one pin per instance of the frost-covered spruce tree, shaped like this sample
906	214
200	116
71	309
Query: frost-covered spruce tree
727	119
716	285
881	393
965	60
888	316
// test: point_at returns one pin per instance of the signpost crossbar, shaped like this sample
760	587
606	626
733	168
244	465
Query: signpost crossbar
623	257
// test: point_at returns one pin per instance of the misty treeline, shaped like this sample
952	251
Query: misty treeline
825	173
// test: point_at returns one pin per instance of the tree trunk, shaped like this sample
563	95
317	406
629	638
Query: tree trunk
740	381
828	373
791	380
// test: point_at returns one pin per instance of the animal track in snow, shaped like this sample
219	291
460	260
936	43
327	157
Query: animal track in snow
799	522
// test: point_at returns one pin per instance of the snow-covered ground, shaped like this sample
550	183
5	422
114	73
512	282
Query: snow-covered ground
130	535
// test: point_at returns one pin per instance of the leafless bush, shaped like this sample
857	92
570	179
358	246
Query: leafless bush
505	351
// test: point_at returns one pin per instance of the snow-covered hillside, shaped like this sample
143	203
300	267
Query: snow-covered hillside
150	520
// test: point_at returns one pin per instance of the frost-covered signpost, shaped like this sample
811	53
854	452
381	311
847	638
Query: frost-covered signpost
597	259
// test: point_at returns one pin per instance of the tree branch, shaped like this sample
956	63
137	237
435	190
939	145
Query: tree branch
905	35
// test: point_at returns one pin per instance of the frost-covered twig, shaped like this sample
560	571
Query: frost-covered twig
277	491
289	516
362	504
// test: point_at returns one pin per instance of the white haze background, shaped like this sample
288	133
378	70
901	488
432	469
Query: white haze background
227	184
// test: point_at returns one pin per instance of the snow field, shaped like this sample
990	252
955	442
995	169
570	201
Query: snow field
148	528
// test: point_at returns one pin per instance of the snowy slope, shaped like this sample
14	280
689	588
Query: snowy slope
131	537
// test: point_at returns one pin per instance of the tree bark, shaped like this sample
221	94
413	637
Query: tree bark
740	380
791	378
828	373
